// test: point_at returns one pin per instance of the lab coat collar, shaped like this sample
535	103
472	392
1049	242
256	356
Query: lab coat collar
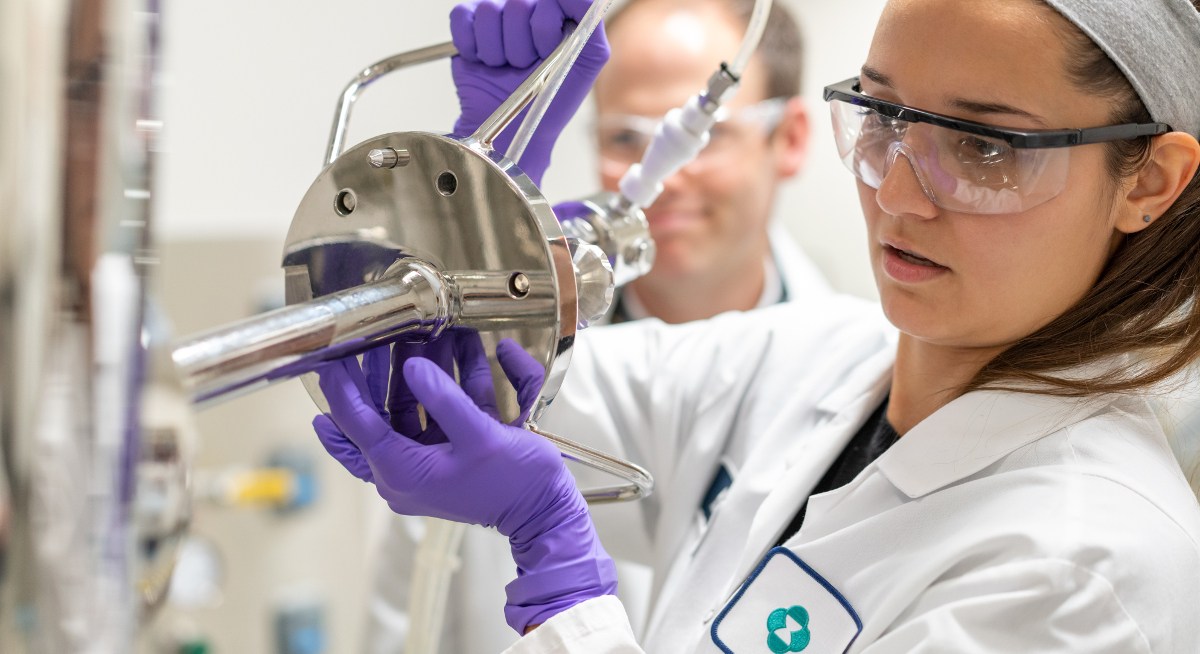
973	432
775	290
871	378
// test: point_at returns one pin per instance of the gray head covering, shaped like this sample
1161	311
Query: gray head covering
1156	43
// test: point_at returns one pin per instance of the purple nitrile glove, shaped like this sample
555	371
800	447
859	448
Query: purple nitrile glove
570	210
485	472
500	42
458	344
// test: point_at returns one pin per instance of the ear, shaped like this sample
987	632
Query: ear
790	140
1174	159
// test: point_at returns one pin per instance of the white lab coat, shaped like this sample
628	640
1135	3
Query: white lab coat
789	275
477	589
1004	522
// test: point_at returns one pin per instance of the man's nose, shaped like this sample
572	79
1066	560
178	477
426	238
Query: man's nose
611	172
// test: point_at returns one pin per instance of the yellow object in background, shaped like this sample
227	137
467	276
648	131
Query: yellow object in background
270	486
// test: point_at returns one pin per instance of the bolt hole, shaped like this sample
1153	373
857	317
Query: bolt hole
447	183
518	286
345	202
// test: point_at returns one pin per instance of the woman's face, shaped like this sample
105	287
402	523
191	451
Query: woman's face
999	277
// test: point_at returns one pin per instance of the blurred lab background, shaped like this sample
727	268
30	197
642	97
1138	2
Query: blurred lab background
278	557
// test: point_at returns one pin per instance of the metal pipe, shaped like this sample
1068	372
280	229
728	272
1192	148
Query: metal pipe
413	299
288	342
502	300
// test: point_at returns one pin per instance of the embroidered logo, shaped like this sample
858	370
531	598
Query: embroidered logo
797	639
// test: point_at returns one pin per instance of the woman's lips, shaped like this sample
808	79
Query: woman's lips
908	267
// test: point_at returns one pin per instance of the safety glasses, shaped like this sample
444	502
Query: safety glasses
623	138
961	165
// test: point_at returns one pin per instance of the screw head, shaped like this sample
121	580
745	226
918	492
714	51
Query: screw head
388	157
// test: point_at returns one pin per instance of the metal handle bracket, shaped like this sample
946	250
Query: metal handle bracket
487	132
640	483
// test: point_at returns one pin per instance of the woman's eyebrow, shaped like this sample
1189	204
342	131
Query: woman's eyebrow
876	76
981	107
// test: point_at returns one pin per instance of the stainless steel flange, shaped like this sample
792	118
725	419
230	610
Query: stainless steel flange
409	234
465	212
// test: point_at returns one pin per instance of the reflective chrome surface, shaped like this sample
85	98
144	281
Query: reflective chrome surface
640	483
388	158
411	300
619	229
594	277
286	342
466	212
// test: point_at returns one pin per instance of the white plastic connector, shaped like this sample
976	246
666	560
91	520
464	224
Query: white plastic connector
684	132
681	136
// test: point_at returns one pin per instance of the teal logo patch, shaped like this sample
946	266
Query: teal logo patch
781	637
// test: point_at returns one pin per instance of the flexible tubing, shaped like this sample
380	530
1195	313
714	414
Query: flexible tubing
579	38
434	565
754	33
683	132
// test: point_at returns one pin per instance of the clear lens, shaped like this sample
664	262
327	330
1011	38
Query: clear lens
958	171
623	138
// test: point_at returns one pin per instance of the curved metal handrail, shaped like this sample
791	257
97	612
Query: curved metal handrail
640	485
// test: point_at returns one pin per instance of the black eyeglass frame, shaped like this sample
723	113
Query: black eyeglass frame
850	91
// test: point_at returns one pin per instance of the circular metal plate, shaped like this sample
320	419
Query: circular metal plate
452	206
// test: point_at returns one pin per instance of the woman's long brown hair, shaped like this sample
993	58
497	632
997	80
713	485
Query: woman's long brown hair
1147	300
1146	303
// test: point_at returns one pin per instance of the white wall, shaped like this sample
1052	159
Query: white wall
828	222
250	89
249	94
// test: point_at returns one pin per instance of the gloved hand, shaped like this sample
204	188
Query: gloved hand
570	210
500	43
483	472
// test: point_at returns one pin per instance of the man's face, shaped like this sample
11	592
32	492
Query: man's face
712	215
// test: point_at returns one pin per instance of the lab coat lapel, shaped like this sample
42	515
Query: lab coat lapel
847	406
973	432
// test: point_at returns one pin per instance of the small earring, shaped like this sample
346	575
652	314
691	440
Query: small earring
1146	218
